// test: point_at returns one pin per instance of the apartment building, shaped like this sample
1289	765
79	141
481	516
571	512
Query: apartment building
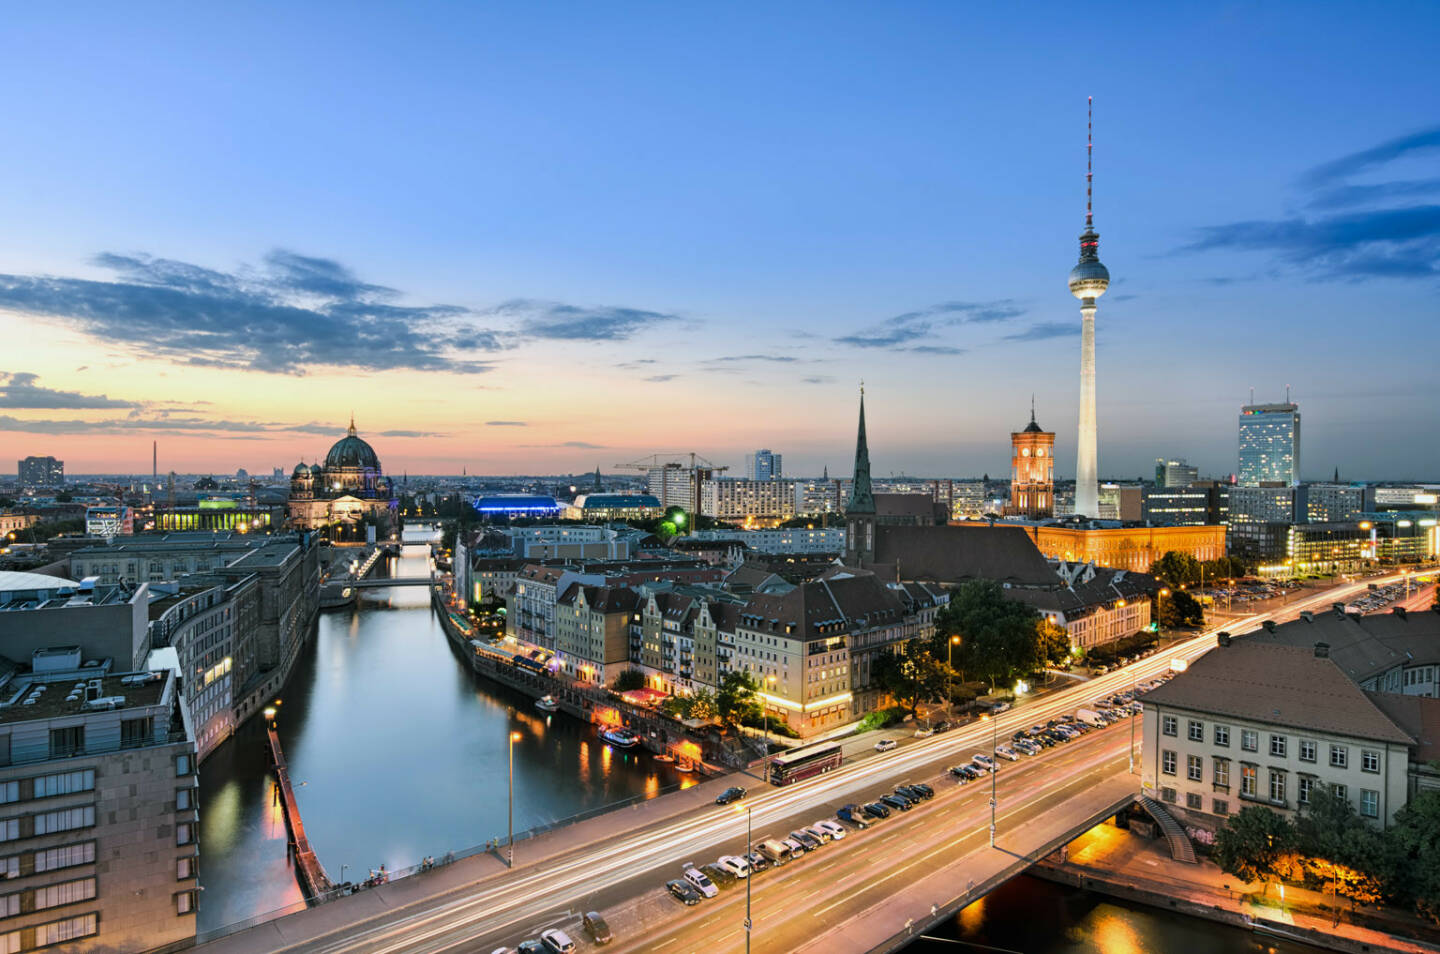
592	631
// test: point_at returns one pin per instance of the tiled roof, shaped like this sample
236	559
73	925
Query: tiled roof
1419	716
838	605
1366	645
1107	586
955	553
1278	685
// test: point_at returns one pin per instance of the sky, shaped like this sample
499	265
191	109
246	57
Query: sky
541	238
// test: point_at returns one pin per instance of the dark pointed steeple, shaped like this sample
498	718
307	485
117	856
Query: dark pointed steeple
862	498
1337	475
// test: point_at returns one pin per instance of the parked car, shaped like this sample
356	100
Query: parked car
923	789
698	881
720	877
797	847
557	941
877	810
899	802
758	862
854	815
596	928
503	950
943	725
818	833
532	946
983	760
732	794
999	707
924	732
737	866
835	831
682	892
885	745
1006	752
809	841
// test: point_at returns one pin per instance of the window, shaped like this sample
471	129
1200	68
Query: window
1194	768
1194	801
65	783
1169	725
1277	746
1249	740
1302	794
1168	795
10	867
184	868
1222	773
1339	791
64	819
183	800
1307	750
1222	735
66	892
1277	786
185	902
66	856
182	764
1369	760
183	834
1196	731
1369	803
1248	776
1339	756
1220	807
67	930
1167	762
136	732
67	741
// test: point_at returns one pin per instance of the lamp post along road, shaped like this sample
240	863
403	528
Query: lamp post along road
950	675
994	771
749	875
510	817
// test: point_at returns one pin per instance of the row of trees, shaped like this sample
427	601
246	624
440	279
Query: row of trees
1330	848
1181	569
734	703
980	635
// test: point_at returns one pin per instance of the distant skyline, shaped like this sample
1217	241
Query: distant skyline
519	239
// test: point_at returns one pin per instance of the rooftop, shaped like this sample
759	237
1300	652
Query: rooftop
1277	685
1364	646
69	694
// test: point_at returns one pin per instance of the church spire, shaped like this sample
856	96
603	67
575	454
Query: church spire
862	498
352	423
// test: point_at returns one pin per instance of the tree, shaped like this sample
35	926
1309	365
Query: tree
1414	840
629	679
1179	608
999	638
1176	569
1339	849
1253	844
736	698
1054	642
910	675
1225	568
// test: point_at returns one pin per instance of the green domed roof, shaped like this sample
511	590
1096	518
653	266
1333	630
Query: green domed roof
351	451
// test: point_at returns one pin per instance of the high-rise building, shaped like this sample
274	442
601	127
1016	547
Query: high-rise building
747	501
1088	281
41	472
1269	444
764	464
1174	473
1032	471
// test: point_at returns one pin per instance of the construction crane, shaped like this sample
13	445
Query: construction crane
696	470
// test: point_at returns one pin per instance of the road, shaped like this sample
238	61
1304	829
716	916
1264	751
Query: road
624	877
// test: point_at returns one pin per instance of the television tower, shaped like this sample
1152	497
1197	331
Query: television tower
1088	281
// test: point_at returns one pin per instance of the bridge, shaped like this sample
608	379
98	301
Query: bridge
374	581
873	891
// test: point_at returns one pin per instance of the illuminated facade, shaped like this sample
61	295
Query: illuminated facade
751	502
1126	548
1032	471
1269	444
337	497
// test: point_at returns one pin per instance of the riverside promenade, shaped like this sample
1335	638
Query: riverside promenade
1109	860
313	879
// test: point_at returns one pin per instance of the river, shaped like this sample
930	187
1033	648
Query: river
397	751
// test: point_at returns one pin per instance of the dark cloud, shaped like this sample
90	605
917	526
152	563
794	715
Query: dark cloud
913	326
582	445
817	379
661	378
554	320
936	349
1046	330
635	364
291	314
233	430
1388	151
506	424
782	359
19	390
1381	237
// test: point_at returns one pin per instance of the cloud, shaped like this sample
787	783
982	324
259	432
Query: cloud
782	359
661	378
1378	235
291	314
554	320
635	364
817	379
936	349
506	424
912	326
405	433
582	445
1046	330
19	390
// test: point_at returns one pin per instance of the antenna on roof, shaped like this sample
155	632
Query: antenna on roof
1089	147
1032	407
1287	394
1252	395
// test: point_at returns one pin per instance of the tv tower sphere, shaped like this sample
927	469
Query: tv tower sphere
1089	279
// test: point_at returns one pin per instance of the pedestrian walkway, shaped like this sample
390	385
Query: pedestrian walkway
1124	864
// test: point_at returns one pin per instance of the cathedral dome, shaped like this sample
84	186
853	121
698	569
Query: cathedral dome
351	451
301	470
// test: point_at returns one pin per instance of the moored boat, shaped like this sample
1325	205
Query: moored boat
547	703
664	757
684	765
620	736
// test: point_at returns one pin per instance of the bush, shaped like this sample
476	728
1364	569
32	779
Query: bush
755	720
1121	647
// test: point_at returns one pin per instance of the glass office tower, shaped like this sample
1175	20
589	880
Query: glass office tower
1269	444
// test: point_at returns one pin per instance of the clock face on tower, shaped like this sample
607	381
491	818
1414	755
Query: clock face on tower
1040	452
1024	452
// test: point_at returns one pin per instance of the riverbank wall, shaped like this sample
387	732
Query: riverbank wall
1229	907
596	705
314	881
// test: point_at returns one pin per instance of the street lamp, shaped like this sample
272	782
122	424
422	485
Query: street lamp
270	716
950	674
510	821
749	874
994	771
769	684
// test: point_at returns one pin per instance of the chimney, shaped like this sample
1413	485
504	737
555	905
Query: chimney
1269	625
1307	616
1223	639
1322	650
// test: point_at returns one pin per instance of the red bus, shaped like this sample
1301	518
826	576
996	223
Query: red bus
804	762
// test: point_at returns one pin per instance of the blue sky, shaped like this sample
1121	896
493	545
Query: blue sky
630	228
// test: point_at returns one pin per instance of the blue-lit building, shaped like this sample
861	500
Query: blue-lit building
764	464
517	505
1269	444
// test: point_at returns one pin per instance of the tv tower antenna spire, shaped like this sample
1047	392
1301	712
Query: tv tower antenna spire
1089	149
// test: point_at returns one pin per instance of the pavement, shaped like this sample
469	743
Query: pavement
871	884
1127	864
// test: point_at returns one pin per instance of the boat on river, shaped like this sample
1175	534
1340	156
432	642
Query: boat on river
684	765
547	704
664	757
619	736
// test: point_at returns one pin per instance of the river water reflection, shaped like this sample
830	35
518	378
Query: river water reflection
397	751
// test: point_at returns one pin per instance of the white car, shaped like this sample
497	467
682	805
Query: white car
1004	751
797	850
821	835
885	745
834	828
984	761
737	866
924	733
557	942
698	881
